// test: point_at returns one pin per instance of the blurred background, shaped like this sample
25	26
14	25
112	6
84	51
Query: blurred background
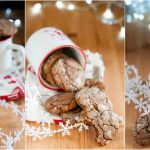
15	12
138	35
137	53
99	27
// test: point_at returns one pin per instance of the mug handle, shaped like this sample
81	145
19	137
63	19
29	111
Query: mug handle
20	49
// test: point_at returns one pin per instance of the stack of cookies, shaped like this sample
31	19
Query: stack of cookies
7	29
82	100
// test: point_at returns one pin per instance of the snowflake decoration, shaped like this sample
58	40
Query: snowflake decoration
136	90
8	140
44	130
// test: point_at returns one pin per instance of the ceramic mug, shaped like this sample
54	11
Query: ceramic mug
6	47
43	43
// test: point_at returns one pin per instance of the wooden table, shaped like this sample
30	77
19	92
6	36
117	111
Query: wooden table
8	120
89	33
140	57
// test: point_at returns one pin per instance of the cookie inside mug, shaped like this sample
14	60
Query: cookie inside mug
69	52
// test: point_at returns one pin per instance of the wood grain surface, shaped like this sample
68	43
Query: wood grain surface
10	122
140	57
86	30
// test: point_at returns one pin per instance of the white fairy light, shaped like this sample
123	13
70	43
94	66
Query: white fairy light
36	9
122	33
141	17
128	2
11	20
8	12
149	26
17	22
88	1
71	7
129	18
141	1
135	15
60	4
108	14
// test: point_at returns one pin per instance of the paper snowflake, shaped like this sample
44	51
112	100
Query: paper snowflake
44	130
137	91
7	141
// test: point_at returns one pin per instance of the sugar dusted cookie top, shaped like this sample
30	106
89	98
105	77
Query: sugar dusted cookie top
61	103
68	74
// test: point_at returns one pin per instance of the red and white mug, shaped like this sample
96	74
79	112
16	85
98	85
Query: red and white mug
6	47
43	43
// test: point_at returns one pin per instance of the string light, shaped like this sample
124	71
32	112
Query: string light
17	22
121	35
128	2
135	15
149	26
60	4
71	6
8	11
141	17
11	20
129	18
36	9
88	1
108	14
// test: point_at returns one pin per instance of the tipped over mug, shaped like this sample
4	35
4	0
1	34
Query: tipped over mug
42	43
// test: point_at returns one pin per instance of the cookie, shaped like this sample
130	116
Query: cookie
72	115
141	131
7	28
89	97
61	103
94	83
105	124
68	74
97	112
46	68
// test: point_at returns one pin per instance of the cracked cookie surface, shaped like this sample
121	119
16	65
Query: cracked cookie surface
7	28
97	112
92	97
141	130
46	68
61	103
94	83
68	74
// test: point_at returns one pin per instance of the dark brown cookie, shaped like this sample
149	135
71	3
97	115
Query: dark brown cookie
68	74
141	130
94	83
61	103
7	28
46	68
97	112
